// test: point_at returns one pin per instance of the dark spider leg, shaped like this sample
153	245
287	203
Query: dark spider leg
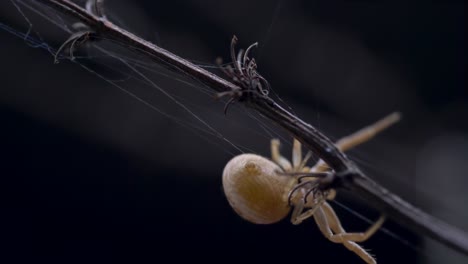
246	54
76	38
299	186
231	101
250	69
239	59
233	55
315	192
305	174
264	91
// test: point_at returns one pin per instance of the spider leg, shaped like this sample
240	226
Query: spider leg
277	158
233	55
298	216
74	40
239	61
361	252
360	137
328	225
265	91
226	107
300	202
296	154
227	69
350	245
299	187
304	161
298	207
251	67
303	175
307	214
341	234
246	54
367	133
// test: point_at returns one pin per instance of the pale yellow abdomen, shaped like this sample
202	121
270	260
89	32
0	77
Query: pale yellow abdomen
255	190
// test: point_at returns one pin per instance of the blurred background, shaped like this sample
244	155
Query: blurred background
91	174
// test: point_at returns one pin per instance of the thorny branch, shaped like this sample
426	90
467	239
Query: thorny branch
347	174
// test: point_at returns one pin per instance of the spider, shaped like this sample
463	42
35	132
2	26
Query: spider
83	32
264	191
243	73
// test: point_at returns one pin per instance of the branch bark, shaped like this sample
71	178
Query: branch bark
347	174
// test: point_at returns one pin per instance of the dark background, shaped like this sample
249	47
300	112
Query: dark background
89	174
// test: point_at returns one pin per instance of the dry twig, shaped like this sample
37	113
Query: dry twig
347	174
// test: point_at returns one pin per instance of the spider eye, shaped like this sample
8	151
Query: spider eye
254	189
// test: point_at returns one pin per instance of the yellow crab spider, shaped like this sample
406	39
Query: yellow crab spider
264	191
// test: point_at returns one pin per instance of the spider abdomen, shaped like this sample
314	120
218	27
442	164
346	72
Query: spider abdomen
255	190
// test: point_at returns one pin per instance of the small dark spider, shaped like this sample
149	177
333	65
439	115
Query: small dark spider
244	73
83	32
77	39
